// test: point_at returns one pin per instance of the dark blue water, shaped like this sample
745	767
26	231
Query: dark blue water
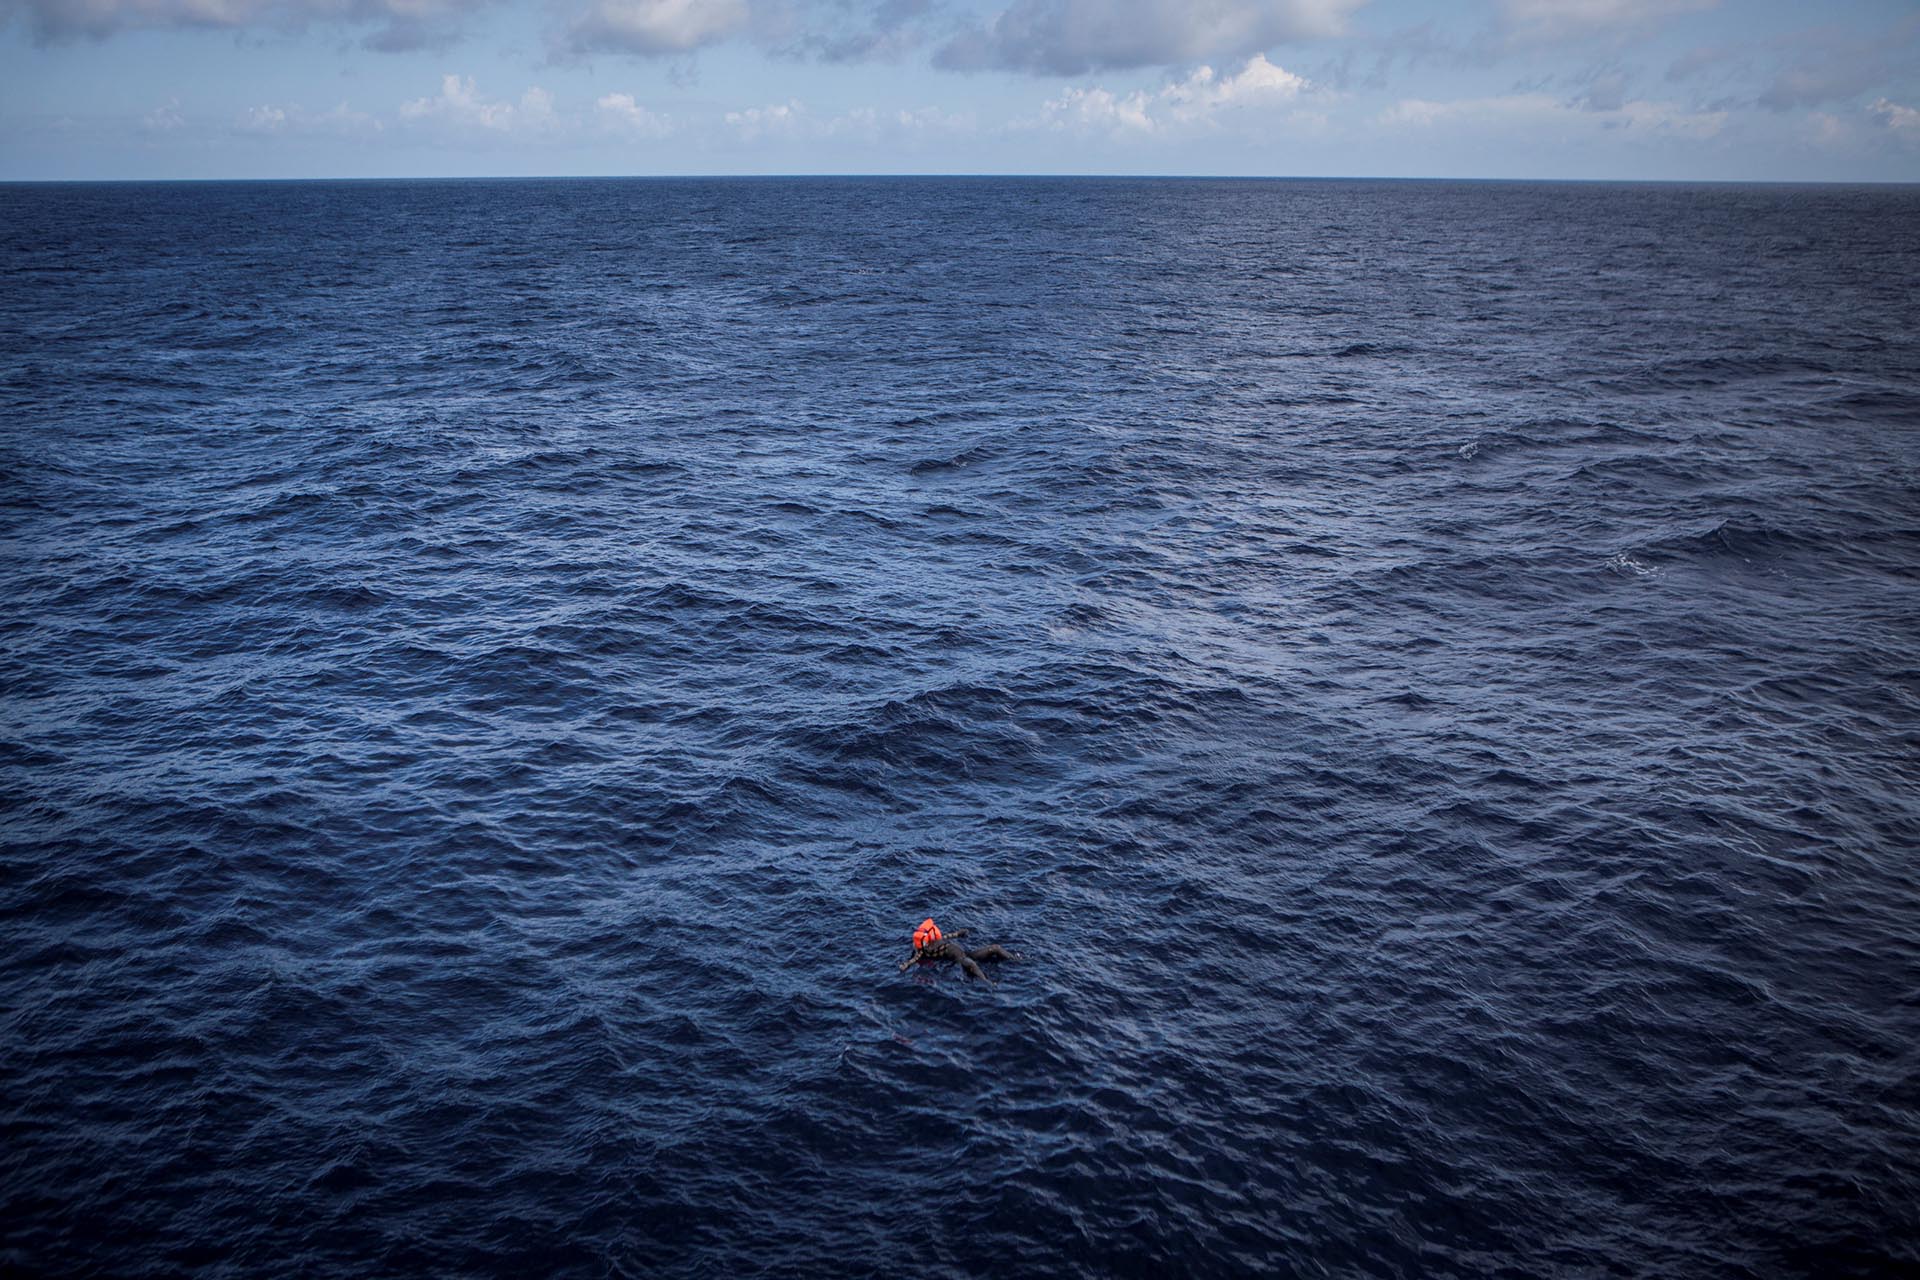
1428	674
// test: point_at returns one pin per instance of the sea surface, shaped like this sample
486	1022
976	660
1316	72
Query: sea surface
1426	674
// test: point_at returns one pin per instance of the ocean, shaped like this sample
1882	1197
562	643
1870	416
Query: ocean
1426	674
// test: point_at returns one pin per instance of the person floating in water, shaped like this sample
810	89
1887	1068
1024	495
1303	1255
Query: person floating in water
930	945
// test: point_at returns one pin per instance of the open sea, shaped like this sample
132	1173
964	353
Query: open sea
1427	674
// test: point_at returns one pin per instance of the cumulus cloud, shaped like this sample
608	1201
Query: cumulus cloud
272	120
399	24
459	104
901	125
917	120
1073	37
620	112
1203	93
792	120
1100	109
655	27
778	119
1196	99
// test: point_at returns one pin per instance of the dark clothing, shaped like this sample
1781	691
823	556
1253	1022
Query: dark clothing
948	948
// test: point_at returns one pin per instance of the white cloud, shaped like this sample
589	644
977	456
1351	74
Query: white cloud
1073	37
1099	109
624	114
1903	122
459	104
1425	113
792	120
164	118
780	119
928	120
654	27
874	123
264	119
342	120
1203	93
1197	99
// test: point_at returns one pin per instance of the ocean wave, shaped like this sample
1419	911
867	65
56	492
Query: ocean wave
495	672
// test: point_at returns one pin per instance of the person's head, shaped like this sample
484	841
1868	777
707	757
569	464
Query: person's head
926	935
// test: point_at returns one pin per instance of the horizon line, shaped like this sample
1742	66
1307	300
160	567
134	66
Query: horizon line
978	176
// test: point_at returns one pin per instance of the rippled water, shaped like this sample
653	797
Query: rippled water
1428	674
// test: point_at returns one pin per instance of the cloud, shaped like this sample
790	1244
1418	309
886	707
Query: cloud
1197	99
652	28
460	105
1833	76
1527	112
1426	113
829	30
890	29
1203	93
1669	119
791	120
56	20
342	120
1701	59
402	24
874	124
1606	91
783	118
164	118
1517	29
1829	130
1073	37
918	121
1902	122
1554	21
411	34
1099	109
1812	85
622	113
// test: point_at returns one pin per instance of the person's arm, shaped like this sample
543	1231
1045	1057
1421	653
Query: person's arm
909	962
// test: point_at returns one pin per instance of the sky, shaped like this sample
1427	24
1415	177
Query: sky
1744	90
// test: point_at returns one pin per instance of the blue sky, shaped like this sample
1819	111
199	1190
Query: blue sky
1706	89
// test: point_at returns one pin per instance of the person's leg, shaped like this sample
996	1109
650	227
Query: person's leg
994	951
967	965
